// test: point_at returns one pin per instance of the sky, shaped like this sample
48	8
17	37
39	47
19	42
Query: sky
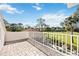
28	13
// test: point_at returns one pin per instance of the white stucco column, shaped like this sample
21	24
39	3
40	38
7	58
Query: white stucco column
2	32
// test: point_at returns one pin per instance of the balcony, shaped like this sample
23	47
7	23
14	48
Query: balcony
40	44
23	44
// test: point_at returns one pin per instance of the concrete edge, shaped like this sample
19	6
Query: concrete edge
45	49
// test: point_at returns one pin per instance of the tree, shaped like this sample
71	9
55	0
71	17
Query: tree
41	24
62	25
20	24
7	25
5	22
70	22
20	27
53	29
47	29
13	26
27	26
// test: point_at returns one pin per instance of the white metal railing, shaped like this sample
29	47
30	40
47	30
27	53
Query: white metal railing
60	42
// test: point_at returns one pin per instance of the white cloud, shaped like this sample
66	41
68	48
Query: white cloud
9	9
37	6
70	5
54	19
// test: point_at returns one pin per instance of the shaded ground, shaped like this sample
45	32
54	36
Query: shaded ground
20	49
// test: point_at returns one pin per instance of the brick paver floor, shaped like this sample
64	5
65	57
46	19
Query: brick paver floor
20	49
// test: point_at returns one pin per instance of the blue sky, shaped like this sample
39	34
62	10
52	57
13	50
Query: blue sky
28	13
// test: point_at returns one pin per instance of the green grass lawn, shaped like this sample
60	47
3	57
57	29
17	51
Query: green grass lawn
58	36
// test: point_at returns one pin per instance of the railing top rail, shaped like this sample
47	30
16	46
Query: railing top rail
62	34
56	33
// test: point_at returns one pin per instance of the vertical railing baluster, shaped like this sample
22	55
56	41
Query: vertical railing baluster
71	44
43	37
56	39
77	45
66	42
59	40
33	35
62	43
48	38
53	39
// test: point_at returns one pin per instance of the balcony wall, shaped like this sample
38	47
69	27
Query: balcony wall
13	36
